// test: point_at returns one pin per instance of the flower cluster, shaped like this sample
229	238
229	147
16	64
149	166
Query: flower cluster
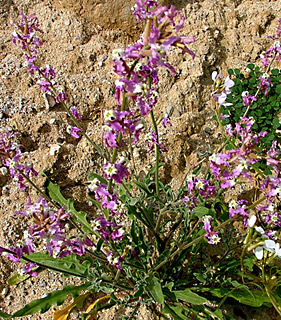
10	154
264	240
27	38
213	237
49	226
228	167
274	52
30	42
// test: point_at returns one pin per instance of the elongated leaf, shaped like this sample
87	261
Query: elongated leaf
17	278
68	265
143	187
54	298
190	297
252	298
79	216
175	312
53	191
155	290
5	315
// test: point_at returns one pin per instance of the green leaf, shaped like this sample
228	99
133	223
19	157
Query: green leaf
79	216
5	315
200	211
250	298
190	297
276	123
17	278
69	265
278	89
152	171
251	66
175	312
53	191
230	71
54	298
155	289
143	187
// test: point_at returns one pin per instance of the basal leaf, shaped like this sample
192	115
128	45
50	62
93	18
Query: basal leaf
54	298
68	265
5	315
155	289
253	298
190	297
175	312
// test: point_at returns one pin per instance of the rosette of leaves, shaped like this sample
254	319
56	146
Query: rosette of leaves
265	110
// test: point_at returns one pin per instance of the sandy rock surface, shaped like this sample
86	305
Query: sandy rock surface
79	38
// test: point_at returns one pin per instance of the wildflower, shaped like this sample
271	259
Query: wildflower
109	115
214	238
75	114
94	184
221	88
74	131
110	170
61	95
207	223
265	83
247	98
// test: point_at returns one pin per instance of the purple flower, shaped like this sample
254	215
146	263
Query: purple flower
75	114
45	85
61	96
221	88
49	72
166	120
247	98
265	83
117	235
74	131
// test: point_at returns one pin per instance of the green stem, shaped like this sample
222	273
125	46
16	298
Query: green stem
156	154
95	145
186	245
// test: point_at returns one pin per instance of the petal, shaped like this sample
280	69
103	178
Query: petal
258	252
252	221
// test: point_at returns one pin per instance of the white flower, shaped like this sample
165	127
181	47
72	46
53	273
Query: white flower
269	245
94	185
259	230
109	115
233	204
117	54
110	170
200	185
258	251
252	221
